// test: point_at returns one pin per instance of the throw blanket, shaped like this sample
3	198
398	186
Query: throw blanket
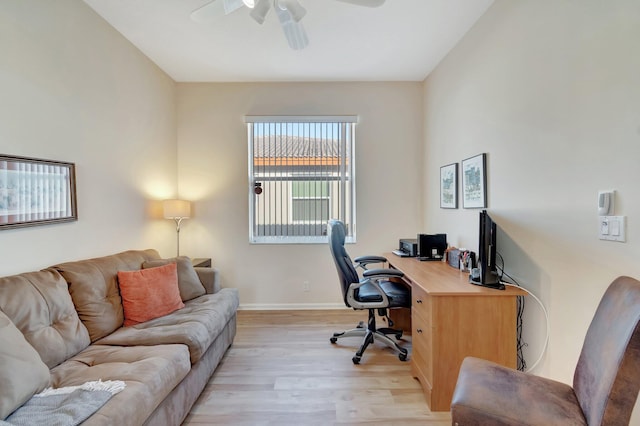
68	406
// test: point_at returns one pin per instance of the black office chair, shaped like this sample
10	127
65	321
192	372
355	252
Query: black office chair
372	291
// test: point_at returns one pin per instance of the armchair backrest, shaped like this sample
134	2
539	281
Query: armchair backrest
346	271
607	376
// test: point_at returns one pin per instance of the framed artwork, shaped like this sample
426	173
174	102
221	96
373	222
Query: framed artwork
474	182
36	192
449	186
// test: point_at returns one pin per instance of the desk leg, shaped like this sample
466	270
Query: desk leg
401	318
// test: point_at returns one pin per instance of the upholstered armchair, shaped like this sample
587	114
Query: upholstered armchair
605	383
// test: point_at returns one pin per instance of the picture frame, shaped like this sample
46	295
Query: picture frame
474	182
36	192
449	186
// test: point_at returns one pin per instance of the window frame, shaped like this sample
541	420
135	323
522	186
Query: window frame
346	178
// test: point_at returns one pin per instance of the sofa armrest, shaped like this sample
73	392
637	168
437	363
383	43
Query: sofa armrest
210	279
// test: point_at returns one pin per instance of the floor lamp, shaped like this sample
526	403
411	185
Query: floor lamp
177	210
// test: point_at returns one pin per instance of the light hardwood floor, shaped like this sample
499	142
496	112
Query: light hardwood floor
282	370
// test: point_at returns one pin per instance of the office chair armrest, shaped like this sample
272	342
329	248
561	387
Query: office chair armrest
365	260
373	277
383	273
367	305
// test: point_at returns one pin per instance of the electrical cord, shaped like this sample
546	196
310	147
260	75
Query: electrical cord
546	316
521	361
501	267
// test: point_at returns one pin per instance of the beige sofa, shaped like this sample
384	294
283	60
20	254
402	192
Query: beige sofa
72	315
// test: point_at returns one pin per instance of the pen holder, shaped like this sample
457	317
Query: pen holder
467	260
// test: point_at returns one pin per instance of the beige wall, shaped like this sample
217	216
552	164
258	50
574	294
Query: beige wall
551	91
73	89
212	141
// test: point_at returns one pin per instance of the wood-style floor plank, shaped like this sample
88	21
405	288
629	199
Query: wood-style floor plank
282	370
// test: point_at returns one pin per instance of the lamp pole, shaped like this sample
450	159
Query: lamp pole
178	210
178	222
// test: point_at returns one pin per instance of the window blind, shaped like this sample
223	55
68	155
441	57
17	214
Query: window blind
301	174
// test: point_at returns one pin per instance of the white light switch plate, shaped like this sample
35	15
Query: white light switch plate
612	228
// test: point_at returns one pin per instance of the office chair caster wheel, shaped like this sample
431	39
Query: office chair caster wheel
399	336
333	339
356	359
402	356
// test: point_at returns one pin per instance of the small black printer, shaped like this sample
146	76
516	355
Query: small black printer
407	248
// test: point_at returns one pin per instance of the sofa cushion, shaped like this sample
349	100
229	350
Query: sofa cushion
22	372
196	325
93	284
188	281
149	293
40	306
150	375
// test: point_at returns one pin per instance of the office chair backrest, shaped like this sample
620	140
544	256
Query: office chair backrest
607	376
346	272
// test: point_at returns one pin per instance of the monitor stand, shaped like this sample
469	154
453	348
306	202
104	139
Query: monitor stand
474	278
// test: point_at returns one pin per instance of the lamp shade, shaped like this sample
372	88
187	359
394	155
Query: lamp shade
176	209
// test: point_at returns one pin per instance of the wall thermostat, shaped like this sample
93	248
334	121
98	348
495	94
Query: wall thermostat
606	201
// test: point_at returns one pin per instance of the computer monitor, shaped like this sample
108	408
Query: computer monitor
487	273
431	247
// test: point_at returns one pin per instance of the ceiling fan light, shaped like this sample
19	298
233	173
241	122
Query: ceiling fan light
260	10
249	3
293	31
295	9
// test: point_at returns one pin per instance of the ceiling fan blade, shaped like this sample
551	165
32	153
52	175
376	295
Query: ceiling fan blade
367	3
260	10
214	9
232	6
207	12
293	31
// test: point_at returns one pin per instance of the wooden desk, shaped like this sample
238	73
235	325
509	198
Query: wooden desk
452	319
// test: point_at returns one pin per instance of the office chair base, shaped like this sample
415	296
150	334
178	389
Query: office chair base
371	336
397	333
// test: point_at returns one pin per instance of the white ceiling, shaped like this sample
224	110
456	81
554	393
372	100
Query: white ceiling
402	40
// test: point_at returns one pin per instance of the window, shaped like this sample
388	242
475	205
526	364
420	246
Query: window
301	174
310	202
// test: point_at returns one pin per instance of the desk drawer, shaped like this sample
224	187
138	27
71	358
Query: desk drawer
418	370
422	345
421	302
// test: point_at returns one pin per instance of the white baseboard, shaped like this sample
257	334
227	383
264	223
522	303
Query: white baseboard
290	306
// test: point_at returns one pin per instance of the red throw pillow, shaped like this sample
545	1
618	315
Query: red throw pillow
149	293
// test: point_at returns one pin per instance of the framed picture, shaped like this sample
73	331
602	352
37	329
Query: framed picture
449	186
36	192
474	182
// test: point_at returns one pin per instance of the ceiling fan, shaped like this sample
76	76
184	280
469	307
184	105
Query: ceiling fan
289	12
